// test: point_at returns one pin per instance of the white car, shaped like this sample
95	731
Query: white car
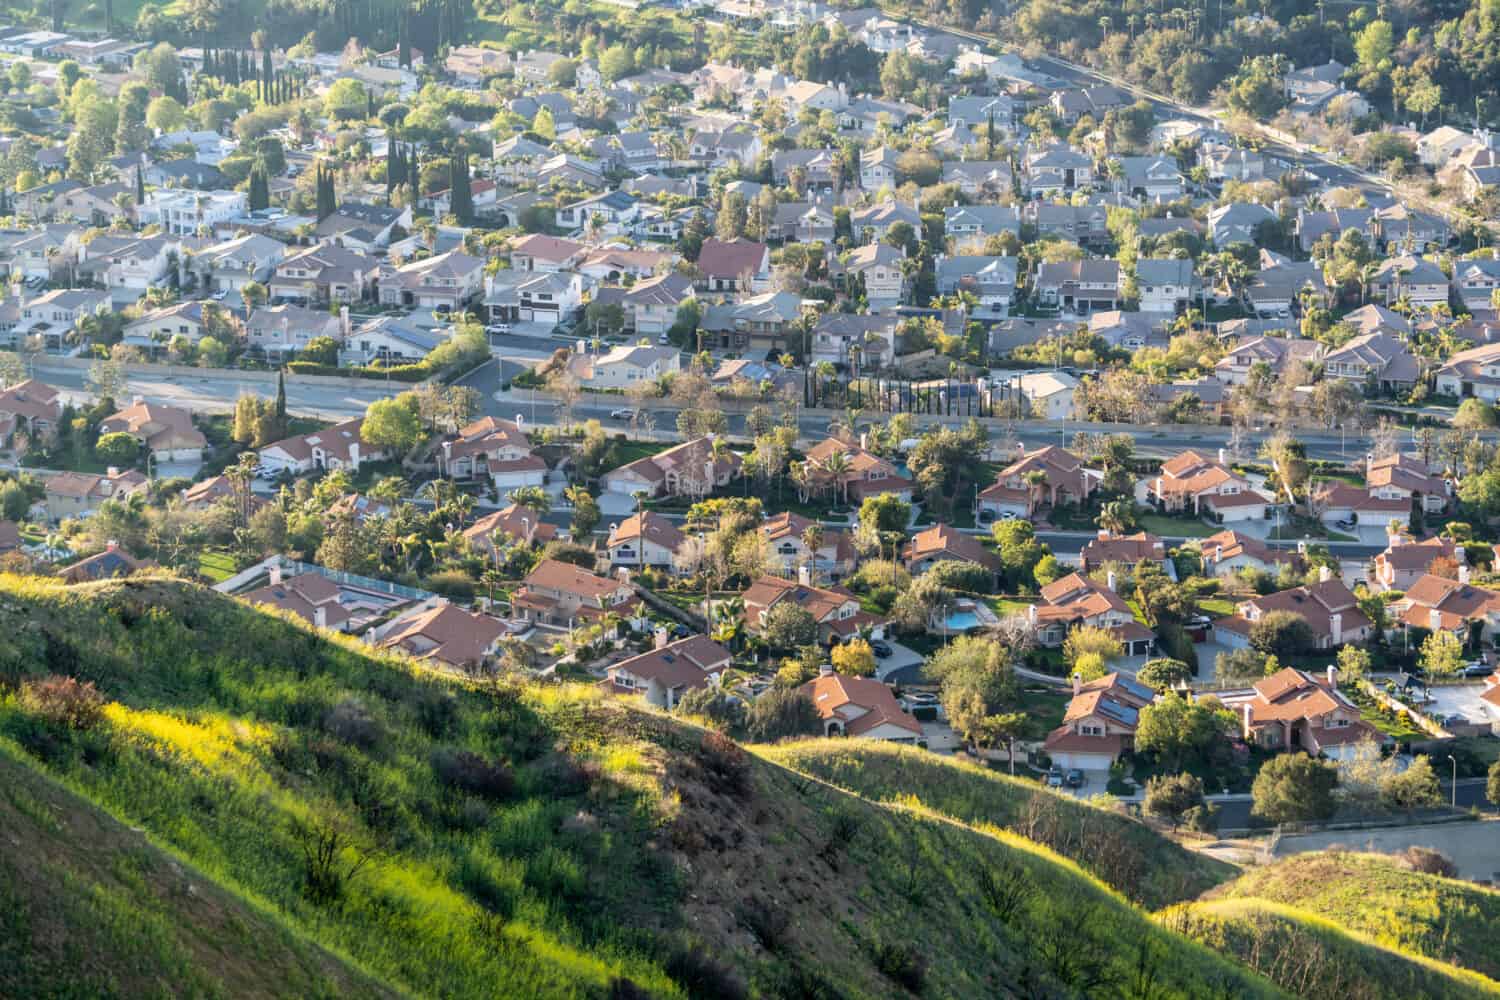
664	339
622	414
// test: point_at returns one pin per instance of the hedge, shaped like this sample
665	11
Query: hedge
396	373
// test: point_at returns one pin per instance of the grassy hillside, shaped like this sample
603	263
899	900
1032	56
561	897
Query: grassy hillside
88	908
1316	959
540	842
1441	918
1137	861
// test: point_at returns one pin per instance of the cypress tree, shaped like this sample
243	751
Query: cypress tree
390	166
460	197
267	72
140	186
281	396
260	189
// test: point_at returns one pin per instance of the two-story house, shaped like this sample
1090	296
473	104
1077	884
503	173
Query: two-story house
1099	724
559	595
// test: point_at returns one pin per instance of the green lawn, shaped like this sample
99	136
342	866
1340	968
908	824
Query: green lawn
1399	729
1006	606
1176	527
216	567
1217	607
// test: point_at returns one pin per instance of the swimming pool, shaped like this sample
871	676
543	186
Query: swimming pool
961	621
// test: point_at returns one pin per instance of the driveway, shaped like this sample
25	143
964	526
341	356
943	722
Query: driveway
902	658
1461	699
1474	848
1094	783
1208	653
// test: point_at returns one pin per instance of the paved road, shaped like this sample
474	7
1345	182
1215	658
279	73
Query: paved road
216	390
1235	814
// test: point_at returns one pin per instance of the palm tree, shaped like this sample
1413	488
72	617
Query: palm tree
1117	517
1036	482
836	465
812	537
533	497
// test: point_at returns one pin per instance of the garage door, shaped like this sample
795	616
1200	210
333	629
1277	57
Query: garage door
1082	761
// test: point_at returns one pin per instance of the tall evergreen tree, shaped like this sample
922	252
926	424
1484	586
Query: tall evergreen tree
281	396
460	196
140	186
260	188
267	73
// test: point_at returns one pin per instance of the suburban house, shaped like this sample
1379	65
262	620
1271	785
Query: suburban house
446	635
878	265
336	447
836	610
1075	600
651	305
29	412
1079	286
1472	373
1295	710
1228	552
1276	353
107	565
1047	477
1406	561
78	494
1328	607
691	469
852	473
1128	549
733	266
624	366
1099	724
1375	359
939	542
447	281
1049	395
323	274
1190	482
289	328
664	674
1165	285
644	540
560	595
787	542
166	432
312	597
860	706
495	448
1438	603
1417	280
518	525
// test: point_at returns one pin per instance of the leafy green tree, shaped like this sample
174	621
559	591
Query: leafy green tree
1474	414
781	714
1442	654
1083	640
1164	674
1354	664
1414	788
392	424
788	626
854	657
118	448
885	513
1282	634
1492	785
14	501
1176	730
1294	788
1170	796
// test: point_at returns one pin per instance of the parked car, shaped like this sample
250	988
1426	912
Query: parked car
881	648
1054	778
1477	668
1074	778
664	340
986	516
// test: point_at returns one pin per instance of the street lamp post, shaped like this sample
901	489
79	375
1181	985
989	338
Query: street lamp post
1455	780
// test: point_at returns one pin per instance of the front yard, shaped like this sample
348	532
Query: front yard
1175	527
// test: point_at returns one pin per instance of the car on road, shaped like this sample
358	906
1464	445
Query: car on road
1054	778
622	414
1074	778
1007	515
881	648
497	328
1477	668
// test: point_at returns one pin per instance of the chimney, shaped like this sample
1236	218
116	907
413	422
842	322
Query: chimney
1218	553
1302	548
345	325
1336	628
1324	574
1435	620
864	440
1463	574
804	576
111	546
1159	482
660	637
320	616
1221	456
276	574
1111	580
1031	613
1333	672
113	472
1077	683
1245	712
137	400
1103	535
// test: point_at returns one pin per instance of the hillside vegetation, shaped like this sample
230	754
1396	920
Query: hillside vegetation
89	909
1440	918
529	841
1314	958
1146	867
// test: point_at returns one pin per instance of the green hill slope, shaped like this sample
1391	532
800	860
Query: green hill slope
1440	918
1316	959
88	908
1137	861
540	841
